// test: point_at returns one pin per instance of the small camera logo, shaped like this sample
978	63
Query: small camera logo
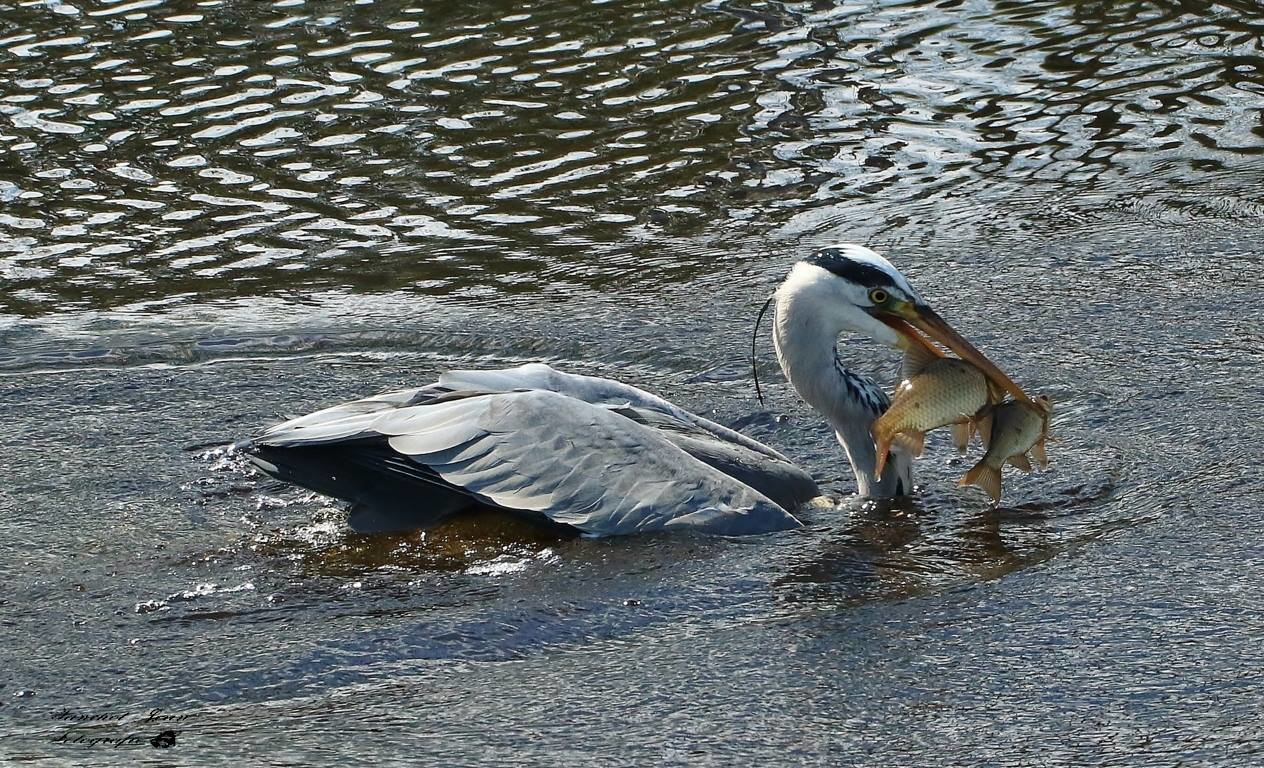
164	740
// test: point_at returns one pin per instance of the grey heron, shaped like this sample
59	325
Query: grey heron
602	457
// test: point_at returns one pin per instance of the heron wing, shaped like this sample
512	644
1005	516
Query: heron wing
346	421
775	477
574	462
729	451
661	414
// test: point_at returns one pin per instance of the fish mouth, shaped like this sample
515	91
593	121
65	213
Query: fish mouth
911	320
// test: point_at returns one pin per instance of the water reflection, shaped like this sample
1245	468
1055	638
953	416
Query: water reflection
480	150
851	552
938	540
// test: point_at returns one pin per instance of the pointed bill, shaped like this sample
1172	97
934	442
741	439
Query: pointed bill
930	323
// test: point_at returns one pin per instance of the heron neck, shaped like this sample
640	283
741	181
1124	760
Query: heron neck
806	343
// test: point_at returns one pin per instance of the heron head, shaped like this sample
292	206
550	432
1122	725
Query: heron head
871	296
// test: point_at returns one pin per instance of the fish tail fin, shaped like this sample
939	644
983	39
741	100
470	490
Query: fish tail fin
1020	461
1038	453
961	432
912	443
985	477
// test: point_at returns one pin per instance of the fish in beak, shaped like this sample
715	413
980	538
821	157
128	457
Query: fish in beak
918	324
936	392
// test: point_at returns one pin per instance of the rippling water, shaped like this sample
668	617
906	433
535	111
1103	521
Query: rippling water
175	151
214	214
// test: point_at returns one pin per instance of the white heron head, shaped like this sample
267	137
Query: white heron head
852	288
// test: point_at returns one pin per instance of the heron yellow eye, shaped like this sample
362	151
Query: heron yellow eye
879	296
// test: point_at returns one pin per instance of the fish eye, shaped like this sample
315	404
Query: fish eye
879	296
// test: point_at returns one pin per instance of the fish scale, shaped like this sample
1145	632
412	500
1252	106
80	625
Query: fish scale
948	388
939	391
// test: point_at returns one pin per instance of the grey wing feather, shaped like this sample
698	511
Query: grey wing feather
777	478
345	421
598	391
594	453
577	464
729	451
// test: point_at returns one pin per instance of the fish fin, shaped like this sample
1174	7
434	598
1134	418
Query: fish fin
985	477
1020	460
984	424
881	464
1038	453
882	446
912	443
961	432
918	355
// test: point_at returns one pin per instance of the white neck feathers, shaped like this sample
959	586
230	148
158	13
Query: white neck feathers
813	308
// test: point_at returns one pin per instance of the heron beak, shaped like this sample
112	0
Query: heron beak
907	318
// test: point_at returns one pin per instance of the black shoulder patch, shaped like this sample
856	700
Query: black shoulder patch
857	272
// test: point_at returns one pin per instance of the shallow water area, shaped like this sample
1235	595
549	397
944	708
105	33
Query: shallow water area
214	215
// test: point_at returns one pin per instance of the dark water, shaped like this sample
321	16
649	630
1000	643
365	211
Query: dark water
214	214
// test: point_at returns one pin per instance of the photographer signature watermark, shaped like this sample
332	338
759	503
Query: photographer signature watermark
152	728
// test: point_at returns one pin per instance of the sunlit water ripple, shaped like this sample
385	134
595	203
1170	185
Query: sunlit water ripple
185	150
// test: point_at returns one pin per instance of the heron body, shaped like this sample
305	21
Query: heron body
605	458
593	454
